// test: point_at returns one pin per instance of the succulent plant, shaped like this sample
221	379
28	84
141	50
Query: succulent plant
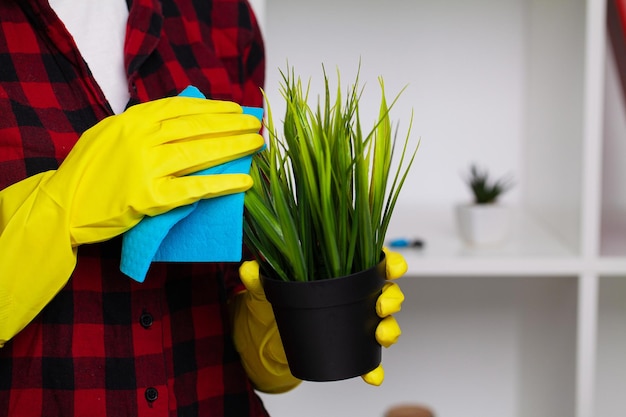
484	190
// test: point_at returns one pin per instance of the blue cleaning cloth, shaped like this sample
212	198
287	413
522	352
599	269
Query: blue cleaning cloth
209	230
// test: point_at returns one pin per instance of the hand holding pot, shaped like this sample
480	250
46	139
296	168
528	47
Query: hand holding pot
258	341
135	164
389	302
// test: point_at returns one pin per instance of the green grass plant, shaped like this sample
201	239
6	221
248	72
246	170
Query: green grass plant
324	190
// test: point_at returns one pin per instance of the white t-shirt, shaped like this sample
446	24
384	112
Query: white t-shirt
98	28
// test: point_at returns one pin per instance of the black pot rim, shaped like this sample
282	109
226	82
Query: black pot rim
323	293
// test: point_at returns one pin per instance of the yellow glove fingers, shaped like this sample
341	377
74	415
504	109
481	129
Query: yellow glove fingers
375	377
396	264
180	191
390	301
195	126
388	331
173	107
182	158
255	295
249	274
167	194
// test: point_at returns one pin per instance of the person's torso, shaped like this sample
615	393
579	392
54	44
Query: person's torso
107	346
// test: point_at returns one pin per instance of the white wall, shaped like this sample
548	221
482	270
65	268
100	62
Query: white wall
463	61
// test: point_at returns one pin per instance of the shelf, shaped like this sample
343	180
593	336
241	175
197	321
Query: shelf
611	266
529	250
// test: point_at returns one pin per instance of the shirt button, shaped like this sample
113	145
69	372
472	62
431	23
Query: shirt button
151	394
146	320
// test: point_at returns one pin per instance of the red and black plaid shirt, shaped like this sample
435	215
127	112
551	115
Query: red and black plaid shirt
106	345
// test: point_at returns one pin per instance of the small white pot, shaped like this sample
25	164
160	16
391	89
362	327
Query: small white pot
483	224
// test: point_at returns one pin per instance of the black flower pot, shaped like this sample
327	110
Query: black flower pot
328	327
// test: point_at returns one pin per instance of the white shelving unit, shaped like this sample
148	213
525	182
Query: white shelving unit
534	327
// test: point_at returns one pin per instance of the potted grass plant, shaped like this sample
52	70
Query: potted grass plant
315	219
484	220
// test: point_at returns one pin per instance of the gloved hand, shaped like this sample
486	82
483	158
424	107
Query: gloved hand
258	342
134	164
389	302
126	166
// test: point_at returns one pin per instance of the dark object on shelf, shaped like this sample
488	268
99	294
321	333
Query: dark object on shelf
406	243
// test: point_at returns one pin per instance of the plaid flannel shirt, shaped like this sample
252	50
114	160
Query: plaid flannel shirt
105	345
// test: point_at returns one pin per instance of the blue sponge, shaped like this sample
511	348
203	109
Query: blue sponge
209	230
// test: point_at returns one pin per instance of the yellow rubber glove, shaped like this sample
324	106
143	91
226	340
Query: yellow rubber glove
389	302
258	342
126	166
